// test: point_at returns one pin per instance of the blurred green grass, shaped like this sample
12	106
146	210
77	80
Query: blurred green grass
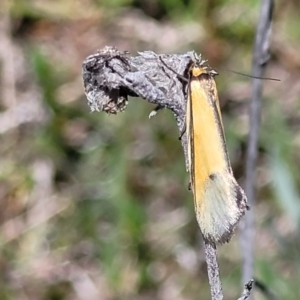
97	206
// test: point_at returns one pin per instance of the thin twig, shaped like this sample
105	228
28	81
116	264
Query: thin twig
213	271
247	290
110	76
260	58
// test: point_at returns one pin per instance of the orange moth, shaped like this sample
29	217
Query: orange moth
219	201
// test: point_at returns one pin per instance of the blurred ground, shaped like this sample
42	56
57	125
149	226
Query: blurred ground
96	206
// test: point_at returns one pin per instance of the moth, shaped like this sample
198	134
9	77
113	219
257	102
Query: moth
219	200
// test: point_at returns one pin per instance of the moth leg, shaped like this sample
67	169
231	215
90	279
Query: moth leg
155	110
182	132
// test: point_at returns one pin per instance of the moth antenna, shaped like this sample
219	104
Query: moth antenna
179	76
251	76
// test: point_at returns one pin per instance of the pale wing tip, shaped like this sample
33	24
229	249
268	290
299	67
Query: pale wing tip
213	240
224	207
